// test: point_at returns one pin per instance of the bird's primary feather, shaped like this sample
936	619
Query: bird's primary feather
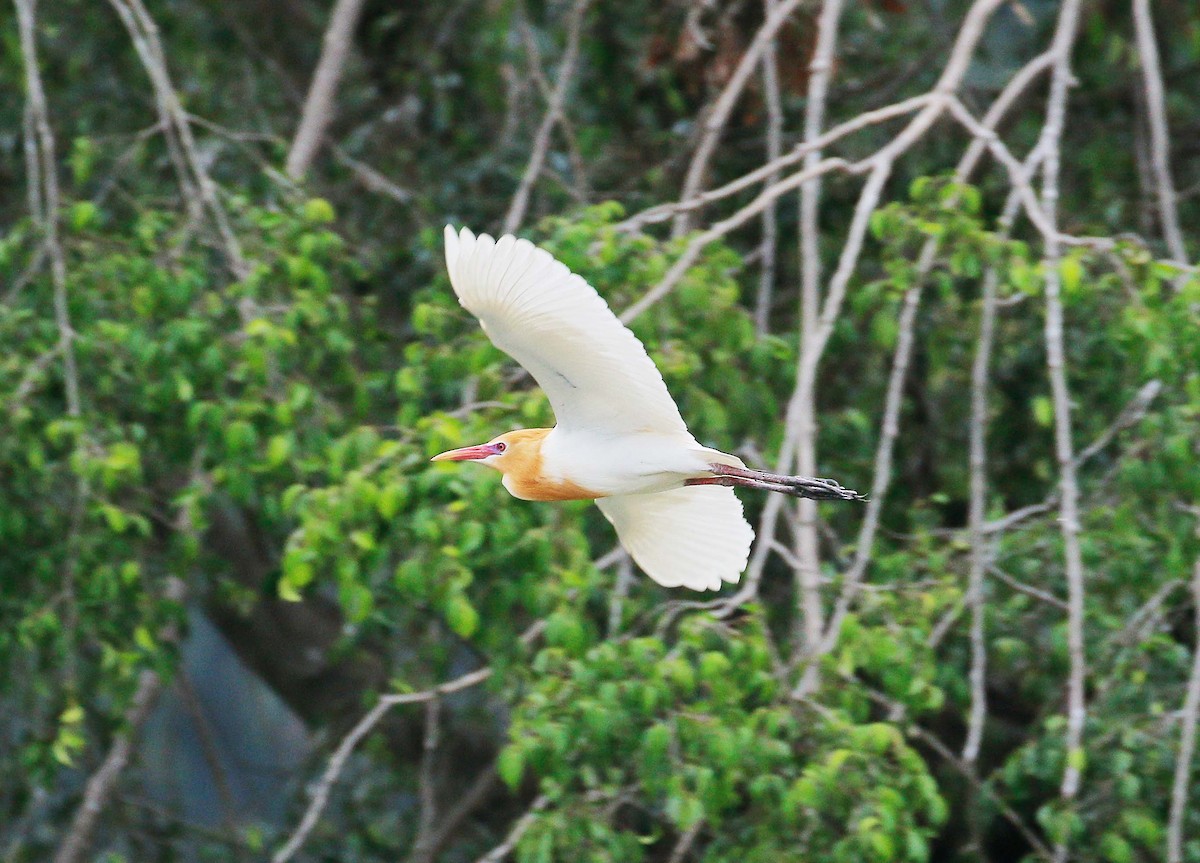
692	537
595	372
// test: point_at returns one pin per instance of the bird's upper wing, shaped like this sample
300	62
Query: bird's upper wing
595	372
694	536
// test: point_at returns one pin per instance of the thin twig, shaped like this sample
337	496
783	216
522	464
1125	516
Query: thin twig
318	105
1156	114
1027	589
1130	415
102	784
337	762
194	178
616	604
45	199
463	806
554	112
663	212
716	118
74	847
1187	739
686	840
518	830
768	249
426	784
208	749
977	467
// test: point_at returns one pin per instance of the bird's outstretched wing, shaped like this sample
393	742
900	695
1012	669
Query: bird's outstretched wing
694	536
595	372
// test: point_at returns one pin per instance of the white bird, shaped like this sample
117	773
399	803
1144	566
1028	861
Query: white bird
620	440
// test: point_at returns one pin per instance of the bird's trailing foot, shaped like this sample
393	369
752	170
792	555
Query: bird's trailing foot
815	488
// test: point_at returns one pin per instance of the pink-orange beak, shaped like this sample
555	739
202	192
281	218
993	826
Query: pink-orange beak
467	453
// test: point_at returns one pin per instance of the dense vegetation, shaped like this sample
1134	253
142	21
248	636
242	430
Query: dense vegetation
218	407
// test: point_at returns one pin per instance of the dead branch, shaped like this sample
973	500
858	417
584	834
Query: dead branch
518	830
1156	114
318	105
194	178
1064	40
1187	740
768	249
718	116
96	795
807	547
337	762
554	113
44	197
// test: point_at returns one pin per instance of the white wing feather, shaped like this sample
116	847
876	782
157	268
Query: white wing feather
693	537
595	372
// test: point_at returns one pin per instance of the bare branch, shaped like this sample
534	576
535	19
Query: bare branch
337	762
194	178
1130	415
74	846
686	840
318	105
371	179
102	784
1064	39
879	165
768	250
662	212
808	568
977	466
514	836
44	197
554	113
718	116
208	749
1156	113
1187	740
467	802
1027	589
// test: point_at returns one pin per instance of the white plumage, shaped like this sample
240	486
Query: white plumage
620	439
619	432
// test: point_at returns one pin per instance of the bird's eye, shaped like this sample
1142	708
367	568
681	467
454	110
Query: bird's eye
501	446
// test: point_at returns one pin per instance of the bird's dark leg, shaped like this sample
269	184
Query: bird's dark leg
796	486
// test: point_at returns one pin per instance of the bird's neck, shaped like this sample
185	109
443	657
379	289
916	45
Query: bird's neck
526	475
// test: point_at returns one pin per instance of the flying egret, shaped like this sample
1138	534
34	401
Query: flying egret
620	440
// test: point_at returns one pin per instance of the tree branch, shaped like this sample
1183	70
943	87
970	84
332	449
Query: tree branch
808	562
1187	739
337	762
1064	39
318	105
1156	114
554	113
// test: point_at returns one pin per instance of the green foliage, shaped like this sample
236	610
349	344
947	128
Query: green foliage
301	401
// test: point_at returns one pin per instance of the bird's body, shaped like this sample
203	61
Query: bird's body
620	439
562	464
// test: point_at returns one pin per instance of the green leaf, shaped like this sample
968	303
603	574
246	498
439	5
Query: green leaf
82	159
318	211
511	765
461	616
1043	411
1070	270
84	214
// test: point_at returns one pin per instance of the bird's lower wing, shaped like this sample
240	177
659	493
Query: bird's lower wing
692	537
